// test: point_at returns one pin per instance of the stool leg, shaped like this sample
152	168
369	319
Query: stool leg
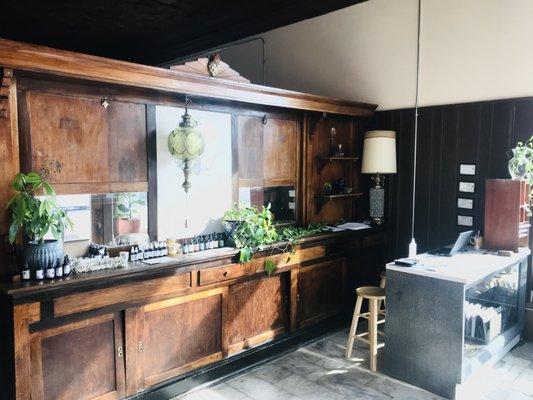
373	333
382	284
353	328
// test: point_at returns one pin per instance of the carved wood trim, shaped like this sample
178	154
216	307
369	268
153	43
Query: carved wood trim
200	68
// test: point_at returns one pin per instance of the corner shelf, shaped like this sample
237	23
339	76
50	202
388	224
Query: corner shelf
324	198
323	160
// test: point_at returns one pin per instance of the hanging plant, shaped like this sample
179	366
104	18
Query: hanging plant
521	165
252	230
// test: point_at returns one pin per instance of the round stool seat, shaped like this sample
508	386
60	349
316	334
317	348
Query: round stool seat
371	292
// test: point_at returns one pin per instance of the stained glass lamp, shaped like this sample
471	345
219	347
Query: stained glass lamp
186	143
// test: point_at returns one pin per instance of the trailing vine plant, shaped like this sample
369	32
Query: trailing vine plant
252	230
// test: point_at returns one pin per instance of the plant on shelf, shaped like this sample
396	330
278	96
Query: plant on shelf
328	188
37	216
521	164
125	213
252	230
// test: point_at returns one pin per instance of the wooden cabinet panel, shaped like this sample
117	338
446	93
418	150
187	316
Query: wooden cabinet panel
250	151
257	311
280	152
127	142
320	291
170	337
82	147
66	135
81	360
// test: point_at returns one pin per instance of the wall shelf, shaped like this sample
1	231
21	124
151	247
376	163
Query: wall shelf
324	160
324	198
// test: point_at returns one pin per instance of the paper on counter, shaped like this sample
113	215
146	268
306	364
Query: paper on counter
353	226
152	261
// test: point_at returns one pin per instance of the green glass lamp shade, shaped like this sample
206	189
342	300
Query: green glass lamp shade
186	143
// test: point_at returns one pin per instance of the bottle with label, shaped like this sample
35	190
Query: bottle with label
202	243
184	247
50	271
140	254
215	240
133	254
67	269
59	268
165	249
220	240
39	273
25	274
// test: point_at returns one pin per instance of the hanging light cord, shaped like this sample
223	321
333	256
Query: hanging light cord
416	117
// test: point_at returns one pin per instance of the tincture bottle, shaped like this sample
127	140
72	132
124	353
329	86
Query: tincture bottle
66	266
26	274
59	268
39	273
50	271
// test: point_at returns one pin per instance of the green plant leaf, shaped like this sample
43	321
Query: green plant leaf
13	230
270	267
48	189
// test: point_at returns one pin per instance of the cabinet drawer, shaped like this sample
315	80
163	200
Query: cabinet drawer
372	240
224	273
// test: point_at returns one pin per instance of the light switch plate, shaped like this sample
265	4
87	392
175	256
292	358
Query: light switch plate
467	187
465	220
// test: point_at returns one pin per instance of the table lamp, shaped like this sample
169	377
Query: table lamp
379	158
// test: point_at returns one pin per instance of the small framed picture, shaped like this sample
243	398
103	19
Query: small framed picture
465	220
467	204
467	187
467	169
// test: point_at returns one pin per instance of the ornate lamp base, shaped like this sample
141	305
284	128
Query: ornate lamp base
377	200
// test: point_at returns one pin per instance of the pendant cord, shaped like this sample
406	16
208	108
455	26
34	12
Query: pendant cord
416	117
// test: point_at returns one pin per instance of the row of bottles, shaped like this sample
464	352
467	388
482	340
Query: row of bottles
53	270
153	250
203	242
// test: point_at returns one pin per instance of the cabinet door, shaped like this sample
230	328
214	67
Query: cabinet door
250	151
80	360
170	337
280	152
257	311
320	291
68	138
74	140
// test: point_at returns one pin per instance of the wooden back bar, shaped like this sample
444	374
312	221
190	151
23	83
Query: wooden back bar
42	59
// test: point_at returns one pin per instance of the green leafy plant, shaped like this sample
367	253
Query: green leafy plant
126	205
254	231
37	216
521	162
521	165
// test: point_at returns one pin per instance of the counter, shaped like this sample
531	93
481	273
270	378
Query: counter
449	317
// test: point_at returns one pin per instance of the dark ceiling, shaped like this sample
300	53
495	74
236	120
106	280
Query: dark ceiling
150	31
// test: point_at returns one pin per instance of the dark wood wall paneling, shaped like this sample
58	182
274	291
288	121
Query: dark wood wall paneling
480	133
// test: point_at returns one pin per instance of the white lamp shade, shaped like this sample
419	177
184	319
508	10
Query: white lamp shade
379	153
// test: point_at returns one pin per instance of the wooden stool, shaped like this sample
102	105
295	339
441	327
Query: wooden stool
382	284
374	295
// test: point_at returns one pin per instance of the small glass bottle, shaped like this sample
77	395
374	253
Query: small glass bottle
39	273
67	269
25	274
220	240
215	240
202	243
50	271
59	268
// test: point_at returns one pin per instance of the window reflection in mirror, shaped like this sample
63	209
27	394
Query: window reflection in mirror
110	218
282	201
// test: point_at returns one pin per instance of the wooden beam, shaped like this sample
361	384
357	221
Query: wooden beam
41	59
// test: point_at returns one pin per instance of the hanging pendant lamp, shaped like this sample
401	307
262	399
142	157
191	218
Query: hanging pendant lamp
186	144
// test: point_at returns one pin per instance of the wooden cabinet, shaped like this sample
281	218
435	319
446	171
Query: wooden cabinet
257	311
167	338
62	135
268	158
319	291
80	360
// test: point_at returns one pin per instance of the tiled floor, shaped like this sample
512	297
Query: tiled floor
319	371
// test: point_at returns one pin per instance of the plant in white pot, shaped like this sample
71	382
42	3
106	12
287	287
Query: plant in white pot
125	213
37	216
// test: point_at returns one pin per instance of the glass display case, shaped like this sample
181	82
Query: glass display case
491	309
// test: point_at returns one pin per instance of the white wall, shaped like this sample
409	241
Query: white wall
210	194
470	50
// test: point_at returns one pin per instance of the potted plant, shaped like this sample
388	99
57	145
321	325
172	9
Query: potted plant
125	211
37	216
328	188
521	163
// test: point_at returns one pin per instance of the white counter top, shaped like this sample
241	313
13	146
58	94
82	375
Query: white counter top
468	267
